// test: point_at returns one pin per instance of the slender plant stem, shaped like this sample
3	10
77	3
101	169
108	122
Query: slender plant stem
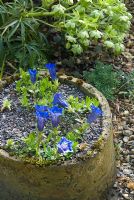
34	92
39	138
31	1
1	2
72	7
11	65
46	23
39	14
2	68
55	133
43	14
93	129
124	85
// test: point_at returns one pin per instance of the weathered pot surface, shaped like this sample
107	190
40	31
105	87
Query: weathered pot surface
85	179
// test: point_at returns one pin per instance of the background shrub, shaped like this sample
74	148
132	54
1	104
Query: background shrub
126	88
104	79
27	30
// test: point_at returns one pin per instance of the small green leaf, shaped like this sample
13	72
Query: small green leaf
96	34
70	24
109	44
59	9
6	104
83	34
10	143
70	38
77	49
119	48
124	18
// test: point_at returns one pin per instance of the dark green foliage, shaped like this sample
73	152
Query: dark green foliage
21	41
127	85
104	79
25	26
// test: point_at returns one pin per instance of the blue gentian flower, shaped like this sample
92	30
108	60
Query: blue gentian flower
52	70
95	113
56	109
65	146
55	113
41	108
58	100
55	117
42	118
33	73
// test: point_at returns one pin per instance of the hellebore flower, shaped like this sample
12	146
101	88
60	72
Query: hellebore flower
33	73
52	70
58	100
65	146
55	114
95	113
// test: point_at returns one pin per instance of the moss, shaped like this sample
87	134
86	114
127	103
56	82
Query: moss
90	153
98	145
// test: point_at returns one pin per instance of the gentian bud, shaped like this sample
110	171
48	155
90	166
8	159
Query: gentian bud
52	70
33	73
95	113
55	113
58	100
42	116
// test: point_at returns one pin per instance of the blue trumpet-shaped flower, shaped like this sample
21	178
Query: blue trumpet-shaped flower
42	118
65	146
41	108
33	73
58	100
56	109
95	113
52	70
55	113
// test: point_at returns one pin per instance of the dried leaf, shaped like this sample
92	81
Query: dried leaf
130	185
83	146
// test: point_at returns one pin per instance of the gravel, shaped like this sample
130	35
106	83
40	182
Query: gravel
124	143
